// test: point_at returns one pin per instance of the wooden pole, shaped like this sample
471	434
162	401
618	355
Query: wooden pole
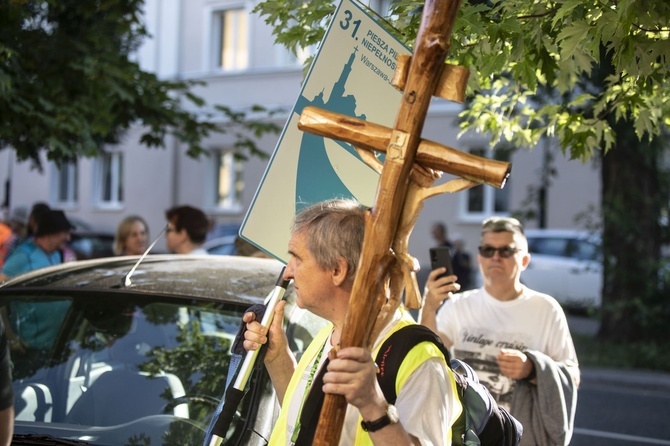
431	48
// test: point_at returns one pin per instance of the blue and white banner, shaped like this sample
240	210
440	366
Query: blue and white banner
351	74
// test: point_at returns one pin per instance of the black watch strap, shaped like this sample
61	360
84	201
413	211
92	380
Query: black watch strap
373	426
390	417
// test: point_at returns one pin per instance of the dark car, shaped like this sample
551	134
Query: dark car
91	244
221	239
139	359
221	245
87	242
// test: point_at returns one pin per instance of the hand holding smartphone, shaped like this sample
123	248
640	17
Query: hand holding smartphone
440	256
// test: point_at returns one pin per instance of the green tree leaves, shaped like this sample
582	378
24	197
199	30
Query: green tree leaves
68	84
536	46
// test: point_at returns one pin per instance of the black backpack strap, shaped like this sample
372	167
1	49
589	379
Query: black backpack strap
393	352
500	429
390	356
311	409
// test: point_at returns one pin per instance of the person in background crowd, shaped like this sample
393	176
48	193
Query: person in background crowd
324	250
24	224
38	210
18	224
516	339
460	261
30	328
6	391
440	235
7	238
132	236
42	250
186	230
18	221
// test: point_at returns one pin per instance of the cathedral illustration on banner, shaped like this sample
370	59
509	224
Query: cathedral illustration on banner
314	149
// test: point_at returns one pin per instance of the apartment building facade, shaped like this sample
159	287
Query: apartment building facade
231	49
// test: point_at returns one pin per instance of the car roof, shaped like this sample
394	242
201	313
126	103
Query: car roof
232	278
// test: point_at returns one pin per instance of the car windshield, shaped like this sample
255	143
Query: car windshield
121	368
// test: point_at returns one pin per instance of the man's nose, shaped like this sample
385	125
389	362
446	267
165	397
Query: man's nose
288	272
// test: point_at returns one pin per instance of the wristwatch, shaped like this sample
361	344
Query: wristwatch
391	417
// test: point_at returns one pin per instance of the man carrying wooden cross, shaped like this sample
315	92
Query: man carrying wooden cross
324	250
327	254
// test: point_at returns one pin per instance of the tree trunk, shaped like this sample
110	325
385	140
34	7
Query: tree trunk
632	193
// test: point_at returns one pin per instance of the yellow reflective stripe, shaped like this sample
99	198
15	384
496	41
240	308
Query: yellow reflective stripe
280	430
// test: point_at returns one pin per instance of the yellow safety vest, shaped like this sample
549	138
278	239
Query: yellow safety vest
414	359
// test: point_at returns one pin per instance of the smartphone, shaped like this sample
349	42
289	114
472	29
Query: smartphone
440	256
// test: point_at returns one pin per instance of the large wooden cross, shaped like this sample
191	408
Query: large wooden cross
410	168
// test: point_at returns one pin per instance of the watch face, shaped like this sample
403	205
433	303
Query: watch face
392	413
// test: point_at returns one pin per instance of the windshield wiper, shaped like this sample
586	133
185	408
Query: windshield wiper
43	440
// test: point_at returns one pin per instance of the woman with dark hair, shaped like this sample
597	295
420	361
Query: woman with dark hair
37	212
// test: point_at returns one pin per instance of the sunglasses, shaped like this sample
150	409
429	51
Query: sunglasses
504	252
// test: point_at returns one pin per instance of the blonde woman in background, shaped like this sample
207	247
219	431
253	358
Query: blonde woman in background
132	236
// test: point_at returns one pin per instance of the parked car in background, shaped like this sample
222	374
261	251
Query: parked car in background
221	239
91	244
140	359
87	242
565	264
224	245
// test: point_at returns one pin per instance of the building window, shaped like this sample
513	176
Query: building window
231	49
228	181
64	184
109	179
483	201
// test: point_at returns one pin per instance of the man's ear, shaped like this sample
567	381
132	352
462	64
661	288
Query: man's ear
340	272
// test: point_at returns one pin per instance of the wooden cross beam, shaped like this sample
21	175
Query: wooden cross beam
432	159
432	155
411	165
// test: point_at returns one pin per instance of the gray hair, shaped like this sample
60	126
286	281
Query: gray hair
506	224
333	228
